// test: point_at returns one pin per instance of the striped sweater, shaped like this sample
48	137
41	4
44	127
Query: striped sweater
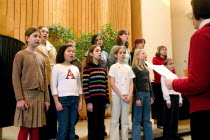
95	82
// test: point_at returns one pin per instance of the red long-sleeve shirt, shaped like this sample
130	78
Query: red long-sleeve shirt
157	61
197	85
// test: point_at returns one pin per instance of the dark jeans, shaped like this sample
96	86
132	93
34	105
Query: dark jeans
171	117
96	119
200	125
159	103
49	131
67	117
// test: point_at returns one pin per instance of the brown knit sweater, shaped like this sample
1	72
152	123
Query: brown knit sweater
29	72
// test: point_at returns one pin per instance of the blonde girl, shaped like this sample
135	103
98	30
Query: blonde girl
143	97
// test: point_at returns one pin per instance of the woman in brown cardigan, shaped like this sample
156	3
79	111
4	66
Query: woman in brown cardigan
48	131
30	85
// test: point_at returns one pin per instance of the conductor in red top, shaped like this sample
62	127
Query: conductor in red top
197	85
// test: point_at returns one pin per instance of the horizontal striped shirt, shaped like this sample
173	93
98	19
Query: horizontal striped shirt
95	82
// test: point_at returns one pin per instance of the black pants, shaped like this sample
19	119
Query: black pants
171	117
49	131
159	103
96	119
200	125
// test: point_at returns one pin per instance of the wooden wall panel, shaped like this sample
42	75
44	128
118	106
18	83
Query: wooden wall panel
71	13
83	15
50	16
35	13
17	20
40	13
120	16
29	16
136	20
79	15
54	12
46	13
10	9
75	15
3	7
67	13
22	19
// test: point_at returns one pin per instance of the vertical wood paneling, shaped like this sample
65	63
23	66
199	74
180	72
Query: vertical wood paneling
71	13
75	16
22	19
79	16
35	13
89	16
46	13
121	16
135	20
41	13
92	19
59	11
3	7
54	12
11	9
83	18
67	13
17	19
86	22
29	15
50	18
7	26
82	15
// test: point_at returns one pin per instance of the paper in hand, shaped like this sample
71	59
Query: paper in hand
162	70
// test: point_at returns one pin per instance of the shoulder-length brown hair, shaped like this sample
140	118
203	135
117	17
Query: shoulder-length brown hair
119	40
158	51
30	31
89	58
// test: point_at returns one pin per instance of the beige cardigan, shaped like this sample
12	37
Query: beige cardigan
29	73
49	53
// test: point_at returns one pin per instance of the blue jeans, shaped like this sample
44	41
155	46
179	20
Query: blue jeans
67	117
142	113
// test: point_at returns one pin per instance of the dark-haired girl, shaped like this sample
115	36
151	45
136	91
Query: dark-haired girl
66	91
121	40
97	40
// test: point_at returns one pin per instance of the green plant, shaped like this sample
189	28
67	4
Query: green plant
83	44
59	35
109	36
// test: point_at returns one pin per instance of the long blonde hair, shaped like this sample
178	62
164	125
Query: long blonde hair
136	60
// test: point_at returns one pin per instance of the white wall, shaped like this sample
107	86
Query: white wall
156	26
182	29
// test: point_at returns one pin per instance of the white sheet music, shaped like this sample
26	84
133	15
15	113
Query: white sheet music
162	70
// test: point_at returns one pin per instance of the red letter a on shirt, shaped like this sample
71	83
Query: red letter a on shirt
70	74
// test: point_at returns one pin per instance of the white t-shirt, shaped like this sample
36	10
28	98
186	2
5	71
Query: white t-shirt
167	92
123	74
65	81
